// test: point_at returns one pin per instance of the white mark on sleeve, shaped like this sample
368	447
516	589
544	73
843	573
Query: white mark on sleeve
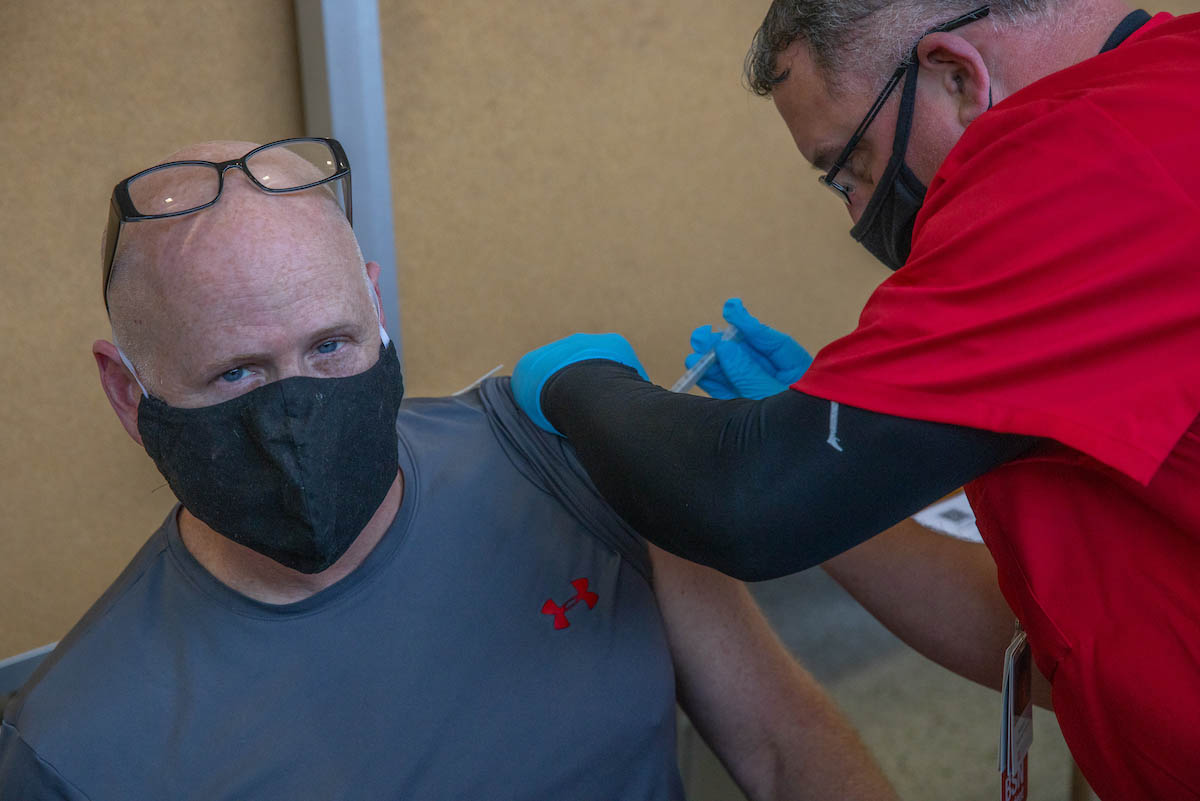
833	427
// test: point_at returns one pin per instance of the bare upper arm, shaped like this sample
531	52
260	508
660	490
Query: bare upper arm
767	719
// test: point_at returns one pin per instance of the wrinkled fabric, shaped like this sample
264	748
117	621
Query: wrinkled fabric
1053	290
436	670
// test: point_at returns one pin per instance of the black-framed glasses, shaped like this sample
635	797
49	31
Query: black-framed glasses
184	187
828	178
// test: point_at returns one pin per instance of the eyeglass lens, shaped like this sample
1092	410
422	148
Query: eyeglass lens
173	189
836	188
179	188
276	168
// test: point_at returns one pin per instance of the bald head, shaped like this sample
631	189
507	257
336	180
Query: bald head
243	285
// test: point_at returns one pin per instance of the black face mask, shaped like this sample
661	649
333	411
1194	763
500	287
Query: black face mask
293	469
886	227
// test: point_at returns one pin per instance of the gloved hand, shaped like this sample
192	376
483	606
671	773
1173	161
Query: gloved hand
759	363
536	367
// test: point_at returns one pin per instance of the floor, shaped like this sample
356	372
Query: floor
934	733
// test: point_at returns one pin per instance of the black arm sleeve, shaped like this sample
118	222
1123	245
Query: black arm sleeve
755	488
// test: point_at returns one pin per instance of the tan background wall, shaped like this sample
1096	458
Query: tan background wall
556	167
596	166
92	92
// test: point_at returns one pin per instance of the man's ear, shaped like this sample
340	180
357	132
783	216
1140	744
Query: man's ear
373	270
961	71
119	385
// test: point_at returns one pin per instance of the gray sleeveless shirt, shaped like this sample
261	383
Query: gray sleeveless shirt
501	642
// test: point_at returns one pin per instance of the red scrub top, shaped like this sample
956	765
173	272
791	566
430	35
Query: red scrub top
1054	290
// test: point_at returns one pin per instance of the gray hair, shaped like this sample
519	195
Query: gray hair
859	32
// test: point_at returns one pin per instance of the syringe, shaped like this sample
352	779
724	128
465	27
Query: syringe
697	371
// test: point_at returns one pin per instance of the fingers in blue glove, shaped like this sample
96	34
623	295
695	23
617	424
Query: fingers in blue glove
714	374
704	338
765	363
779	349
793	375
720	389
745	372
714	381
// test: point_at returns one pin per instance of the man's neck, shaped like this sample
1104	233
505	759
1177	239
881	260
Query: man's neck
263	579
1076	33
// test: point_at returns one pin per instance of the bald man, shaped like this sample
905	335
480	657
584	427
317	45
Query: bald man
355	600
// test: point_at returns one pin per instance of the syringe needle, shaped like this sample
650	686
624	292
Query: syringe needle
697	371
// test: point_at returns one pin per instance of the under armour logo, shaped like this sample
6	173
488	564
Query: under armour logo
582	595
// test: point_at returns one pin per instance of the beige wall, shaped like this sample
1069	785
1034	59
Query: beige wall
91	92
592	166
596	166
556	167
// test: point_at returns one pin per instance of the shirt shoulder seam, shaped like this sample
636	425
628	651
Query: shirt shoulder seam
99	611
45	762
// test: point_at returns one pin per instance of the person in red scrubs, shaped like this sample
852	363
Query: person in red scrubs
1031	172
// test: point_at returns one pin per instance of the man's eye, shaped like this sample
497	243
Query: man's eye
328	347
234	375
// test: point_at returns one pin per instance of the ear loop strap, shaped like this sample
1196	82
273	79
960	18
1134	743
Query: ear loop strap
383	334
129	366
904	121
908	110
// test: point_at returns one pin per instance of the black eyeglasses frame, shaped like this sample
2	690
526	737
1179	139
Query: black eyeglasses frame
122	210
828	178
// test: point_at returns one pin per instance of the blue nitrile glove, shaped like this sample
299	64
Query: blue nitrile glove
535	368
760	363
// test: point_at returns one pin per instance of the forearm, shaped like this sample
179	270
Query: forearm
771	724
755	488
678	468
813	753
937	594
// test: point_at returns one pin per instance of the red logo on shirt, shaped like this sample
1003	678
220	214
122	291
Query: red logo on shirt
582	595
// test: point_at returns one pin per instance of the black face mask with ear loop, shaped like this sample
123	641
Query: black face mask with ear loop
886	226
294	469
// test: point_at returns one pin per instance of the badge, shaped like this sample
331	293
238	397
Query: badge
1016	729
